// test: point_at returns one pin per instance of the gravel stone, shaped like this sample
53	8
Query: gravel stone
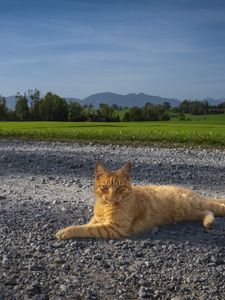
143	293
5	262
45	186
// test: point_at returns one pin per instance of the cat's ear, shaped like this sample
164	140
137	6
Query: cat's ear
126	169
99	169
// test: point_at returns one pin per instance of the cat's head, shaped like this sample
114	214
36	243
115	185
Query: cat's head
112	186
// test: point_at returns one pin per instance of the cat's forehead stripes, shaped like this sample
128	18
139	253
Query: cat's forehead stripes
112	179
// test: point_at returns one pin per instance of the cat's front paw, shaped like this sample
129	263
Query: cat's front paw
63	234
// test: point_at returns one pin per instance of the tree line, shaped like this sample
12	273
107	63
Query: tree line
201	107
52	107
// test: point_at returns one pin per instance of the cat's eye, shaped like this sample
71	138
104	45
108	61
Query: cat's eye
121	188
105	188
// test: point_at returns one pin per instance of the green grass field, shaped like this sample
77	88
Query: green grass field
199	131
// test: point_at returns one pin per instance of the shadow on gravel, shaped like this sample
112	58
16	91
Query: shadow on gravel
189	233
81	164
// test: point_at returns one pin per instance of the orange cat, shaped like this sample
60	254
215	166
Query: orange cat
122	210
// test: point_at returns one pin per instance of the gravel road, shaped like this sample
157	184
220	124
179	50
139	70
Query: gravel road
45	186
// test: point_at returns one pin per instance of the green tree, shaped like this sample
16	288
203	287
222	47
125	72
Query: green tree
104	110
35	105
3	109
194	107
182	116
166	105
75	111
53	108
126	117
151	112
164	117
221	107
89	112
22	109
115	107
136	114
184	107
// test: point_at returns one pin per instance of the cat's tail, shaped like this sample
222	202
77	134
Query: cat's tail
216	206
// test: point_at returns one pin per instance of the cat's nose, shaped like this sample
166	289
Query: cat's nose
111	196
110	193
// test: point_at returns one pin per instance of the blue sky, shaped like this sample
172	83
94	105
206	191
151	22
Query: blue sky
171	48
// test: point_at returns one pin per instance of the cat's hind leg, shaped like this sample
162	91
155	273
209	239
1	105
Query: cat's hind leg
208	219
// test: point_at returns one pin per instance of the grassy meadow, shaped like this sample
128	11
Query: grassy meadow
198	131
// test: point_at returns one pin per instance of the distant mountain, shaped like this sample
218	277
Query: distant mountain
121	100
127	100
213	101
